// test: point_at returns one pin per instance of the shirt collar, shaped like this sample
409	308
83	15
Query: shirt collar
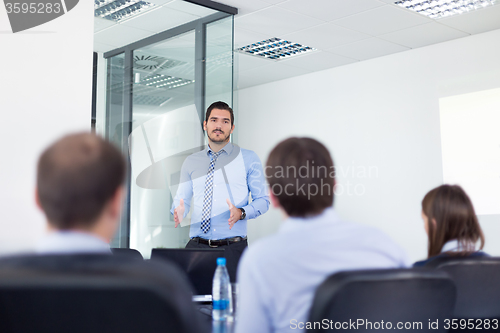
454	246
228	149
293	223
72	242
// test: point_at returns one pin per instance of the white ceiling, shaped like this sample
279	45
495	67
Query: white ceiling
167	14
342	31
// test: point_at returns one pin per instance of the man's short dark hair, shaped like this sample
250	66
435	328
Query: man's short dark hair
220	106
301	176
76	178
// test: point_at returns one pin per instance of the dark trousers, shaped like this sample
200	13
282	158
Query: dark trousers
232	252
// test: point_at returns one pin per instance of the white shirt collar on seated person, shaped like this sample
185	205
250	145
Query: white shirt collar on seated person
454	246
71	242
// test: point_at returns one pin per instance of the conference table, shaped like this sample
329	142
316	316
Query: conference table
209	325
222	326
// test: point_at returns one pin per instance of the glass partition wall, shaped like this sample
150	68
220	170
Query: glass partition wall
157	92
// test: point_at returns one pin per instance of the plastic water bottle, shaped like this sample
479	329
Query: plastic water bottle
221	291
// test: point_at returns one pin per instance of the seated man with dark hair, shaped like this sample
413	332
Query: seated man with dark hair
279	275
80	188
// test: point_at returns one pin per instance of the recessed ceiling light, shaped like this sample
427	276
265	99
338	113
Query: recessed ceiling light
151	84
164	81
117	10
443	8
150	100
275	48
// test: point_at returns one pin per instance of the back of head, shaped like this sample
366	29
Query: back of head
451	216
76	177
301	176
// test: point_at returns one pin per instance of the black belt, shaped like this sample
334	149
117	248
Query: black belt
219	242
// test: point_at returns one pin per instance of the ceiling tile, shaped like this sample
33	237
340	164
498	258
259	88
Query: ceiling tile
101	23
316	61
120	35
245	6
382	20
275	21
160	19
325	36
265	74
181	49
346	38
475	22
367	49
244	37
220	34
191	8
422	35
184	42
329	10
99	47
273	2
160	2
244	62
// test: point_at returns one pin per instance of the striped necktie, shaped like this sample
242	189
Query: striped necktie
209	191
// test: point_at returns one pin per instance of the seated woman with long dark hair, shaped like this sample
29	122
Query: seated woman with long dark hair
451	224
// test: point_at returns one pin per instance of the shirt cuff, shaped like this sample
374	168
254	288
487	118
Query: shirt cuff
249	211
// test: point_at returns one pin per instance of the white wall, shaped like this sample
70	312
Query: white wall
46	89
382	113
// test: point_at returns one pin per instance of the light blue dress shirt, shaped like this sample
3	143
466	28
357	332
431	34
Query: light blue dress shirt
279	274
238	173
71	242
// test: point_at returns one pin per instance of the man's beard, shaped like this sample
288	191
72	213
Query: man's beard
220	139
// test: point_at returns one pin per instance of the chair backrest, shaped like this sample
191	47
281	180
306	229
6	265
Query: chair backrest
198	264
131	253
47	299
478	286
378	300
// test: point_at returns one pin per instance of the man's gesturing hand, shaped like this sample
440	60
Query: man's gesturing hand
179	213
234	212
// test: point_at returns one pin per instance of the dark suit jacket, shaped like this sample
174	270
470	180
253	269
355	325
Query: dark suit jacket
445	256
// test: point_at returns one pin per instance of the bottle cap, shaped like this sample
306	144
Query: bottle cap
221	261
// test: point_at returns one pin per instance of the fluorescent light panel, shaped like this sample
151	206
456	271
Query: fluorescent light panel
443	8
150	100
151	84
117	10
275	48
164	81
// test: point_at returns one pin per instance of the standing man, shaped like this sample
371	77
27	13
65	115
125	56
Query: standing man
219	179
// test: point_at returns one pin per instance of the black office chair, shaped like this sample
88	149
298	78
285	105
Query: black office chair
78	293
478	290
131	253
412	297
440	260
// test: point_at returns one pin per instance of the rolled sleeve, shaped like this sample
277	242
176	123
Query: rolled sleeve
257	187
184	191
